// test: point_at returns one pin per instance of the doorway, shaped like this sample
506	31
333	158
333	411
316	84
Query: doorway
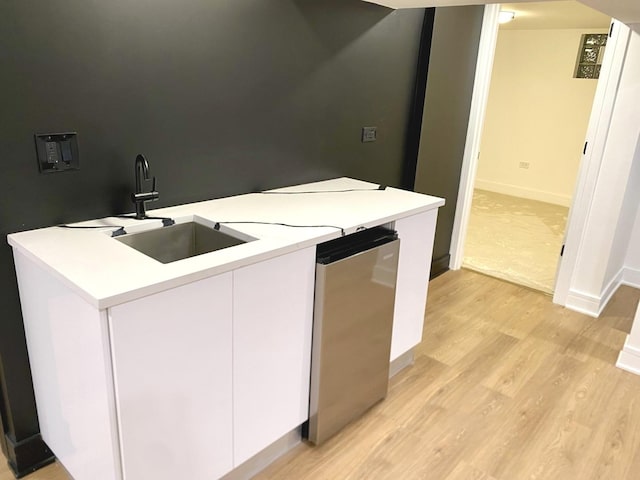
535	125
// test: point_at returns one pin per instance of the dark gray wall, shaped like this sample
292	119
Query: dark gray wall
452	66
222	97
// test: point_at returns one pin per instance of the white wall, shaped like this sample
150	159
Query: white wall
632	258
536	113
624	262
629	358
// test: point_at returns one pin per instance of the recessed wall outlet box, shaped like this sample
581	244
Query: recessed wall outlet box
368	134
524	165
57	152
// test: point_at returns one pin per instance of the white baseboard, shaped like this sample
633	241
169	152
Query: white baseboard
583	303
266	457
631	277
400	363
522	192
629	358
593	305
610	289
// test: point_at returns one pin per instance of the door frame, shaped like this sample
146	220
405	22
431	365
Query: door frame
596	136
595	142
479	97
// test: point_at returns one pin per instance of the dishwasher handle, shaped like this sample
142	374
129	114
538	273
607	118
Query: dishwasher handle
343	247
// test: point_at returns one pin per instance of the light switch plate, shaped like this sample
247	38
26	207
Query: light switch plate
57	152
369	134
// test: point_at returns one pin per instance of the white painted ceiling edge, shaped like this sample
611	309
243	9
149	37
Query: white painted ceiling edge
626	11
561	14
395	4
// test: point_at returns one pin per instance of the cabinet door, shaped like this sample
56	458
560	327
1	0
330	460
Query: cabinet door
416	235
272	322
172	366
69	355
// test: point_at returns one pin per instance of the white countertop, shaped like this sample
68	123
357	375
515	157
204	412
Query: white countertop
106	272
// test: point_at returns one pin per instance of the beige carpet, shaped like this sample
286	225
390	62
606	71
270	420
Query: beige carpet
515	239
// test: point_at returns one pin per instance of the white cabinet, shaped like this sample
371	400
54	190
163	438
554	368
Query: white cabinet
272	324
70	362
193	381
416	235
172	368
209	374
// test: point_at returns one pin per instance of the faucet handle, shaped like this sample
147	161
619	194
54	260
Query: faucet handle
153	184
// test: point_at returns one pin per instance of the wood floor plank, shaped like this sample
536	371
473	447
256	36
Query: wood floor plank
525	420
555	448
505	386
472	370
618	439
464	471
596	341
407	401
616	313
449	340
458	434
517	367
50	472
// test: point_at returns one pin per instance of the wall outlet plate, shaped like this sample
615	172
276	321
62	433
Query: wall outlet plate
368	134
57	152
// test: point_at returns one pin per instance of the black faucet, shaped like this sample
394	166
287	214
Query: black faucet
140	197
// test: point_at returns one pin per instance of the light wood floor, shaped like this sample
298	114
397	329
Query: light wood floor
506	386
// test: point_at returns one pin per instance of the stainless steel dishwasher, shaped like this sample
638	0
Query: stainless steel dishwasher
352	323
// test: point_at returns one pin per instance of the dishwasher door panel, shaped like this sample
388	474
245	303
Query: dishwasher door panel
353	320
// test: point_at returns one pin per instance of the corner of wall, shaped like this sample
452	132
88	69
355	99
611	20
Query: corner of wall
631	277
612	199
629	358
593	305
